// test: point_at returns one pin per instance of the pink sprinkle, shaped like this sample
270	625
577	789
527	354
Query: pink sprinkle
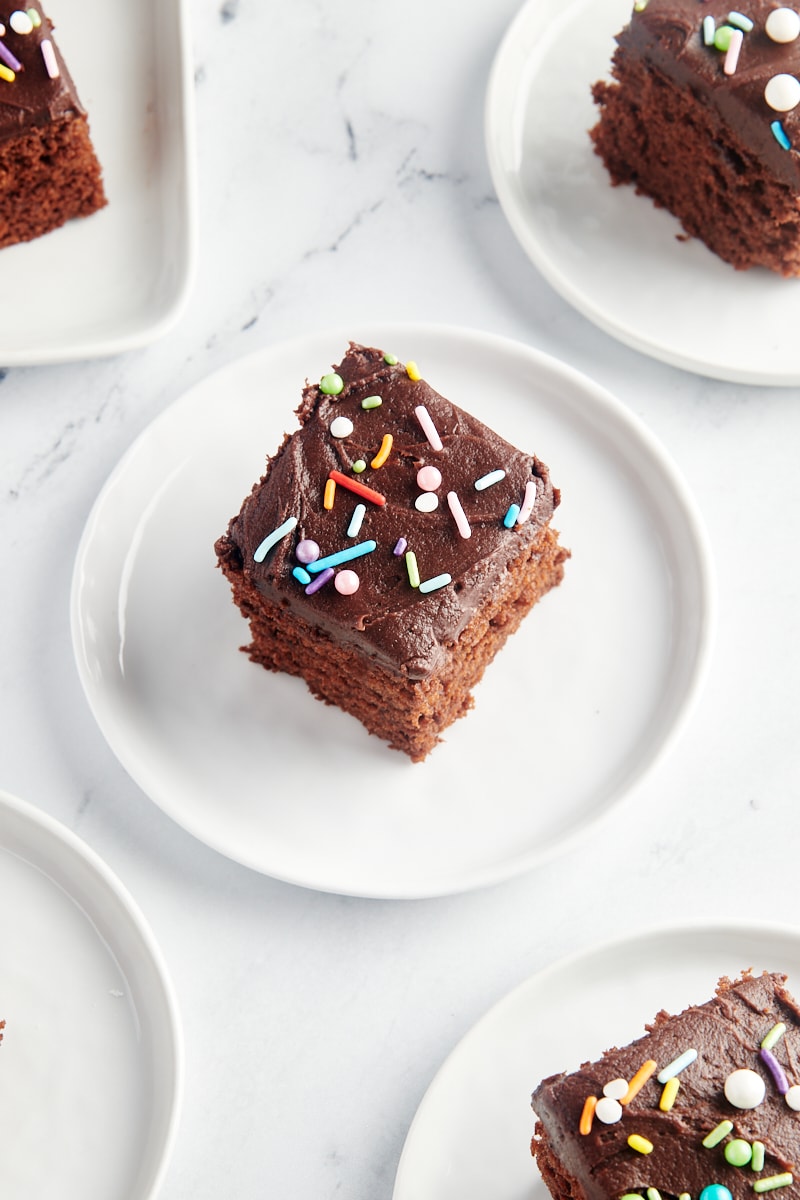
732	55
49	56
462	524
400	547
320	581
346	583
527	503
429	478
428	427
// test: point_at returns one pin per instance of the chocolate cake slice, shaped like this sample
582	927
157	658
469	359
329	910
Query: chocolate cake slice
703	116
49	172
390	549
705	1106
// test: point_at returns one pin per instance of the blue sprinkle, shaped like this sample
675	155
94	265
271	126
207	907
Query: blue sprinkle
342	556
269	541
301	575
510	519
356	519
486	481
740	21
433	585
779	134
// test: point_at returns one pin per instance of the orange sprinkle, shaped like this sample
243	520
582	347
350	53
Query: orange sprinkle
587	1116
353	485
382	455
639	1080
330	493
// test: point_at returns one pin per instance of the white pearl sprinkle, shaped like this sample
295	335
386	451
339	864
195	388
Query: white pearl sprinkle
608	1110
426	502
341	427
782	25
20	22
782	92
744	1088
792	1097
616	1089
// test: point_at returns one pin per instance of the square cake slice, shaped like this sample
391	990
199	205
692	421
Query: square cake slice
702	116
704	1106
49	172
390	549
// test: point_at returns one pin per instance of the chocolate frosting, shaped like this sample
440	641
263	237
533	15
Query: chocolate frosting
727	1033
668	35
405	630
33	98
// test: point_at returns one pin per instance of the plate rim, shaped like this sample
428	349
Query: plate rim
607	403
100	872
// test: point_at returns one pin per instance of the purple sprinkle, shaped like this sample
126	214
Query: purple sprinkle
8	58
320	581
775	1070
401	547
306	551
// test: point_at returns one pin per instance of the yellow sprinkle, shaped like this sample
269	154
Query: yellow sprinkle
639	1080
640	1144
382	455
330	493
669	1093
412	568
412	371
685	1196
6	73
587	1116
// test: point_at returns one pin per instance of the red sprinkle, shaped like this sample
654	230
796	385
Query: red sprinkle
360	489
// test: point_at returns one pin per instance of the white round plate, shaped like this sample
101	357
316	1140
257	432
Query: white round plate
91	1063
254	766
610	253
471	1135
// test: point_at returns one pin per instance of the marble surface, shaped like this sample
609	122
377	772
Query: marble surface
332	138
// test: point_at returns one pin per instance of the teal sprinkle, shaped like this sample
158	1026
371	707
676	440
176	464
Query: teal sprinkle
740	21
510	519
301	575
433	585
709	30
779	133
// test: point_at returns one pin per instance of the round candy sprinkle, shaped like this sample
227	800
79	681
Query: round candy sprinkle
738	1152
341	427
306	551
782	25
792	1097
608	1110
715	1191
429	478
722	38
20	22
390	360
426	502
359	465
331	384
616	1089
782	93
744	1088
346	583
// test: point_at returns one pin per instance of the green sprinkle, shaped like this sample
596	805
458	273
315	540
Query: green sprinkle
631	1196
740	21
709	29
722	38
653	1194
390	360
775	1034
412	568
685	1196
331	384
738	1152
359	465
717	1134
759	1154
640	5
773	1181
371	402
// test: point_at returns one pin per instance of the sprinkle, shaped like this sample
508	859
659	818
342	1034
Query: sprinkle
429	478
639	5
320	581
640	1144
342	556
35	18
782	92
359	465
341	427
677	1065
782	25
734	49
740	21
346	583
382	455
412	371
779	133
6	73
9	59
50	60
585	1124
774	1036
759	1155
775	1069
428	427
269	541
616	1089
510	519
329	495
722	38
400	547
527	503
331	385
715	1191
685	1196
372	402
771	1182
459	516
792	1097
717	1134
709	29
608	1110
433	585
301	575
356	519
426	502
390	360
360	489
20	22
412	568
306	551
744	1088
653	1194
640	1078
486	481
669	1093
738	1152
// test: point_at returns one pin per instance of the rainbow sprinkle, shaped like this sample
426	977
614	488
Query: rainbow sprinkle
639	1080
412	568
428	427
320	581
770	1182
360	489
438	581
400	547
587	1115
772	1038
342	556
775	1069
382	455
486	481
459	516
717	1134
779	133
263	549
677	1065
640	1144
355	521
412	371
329	494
